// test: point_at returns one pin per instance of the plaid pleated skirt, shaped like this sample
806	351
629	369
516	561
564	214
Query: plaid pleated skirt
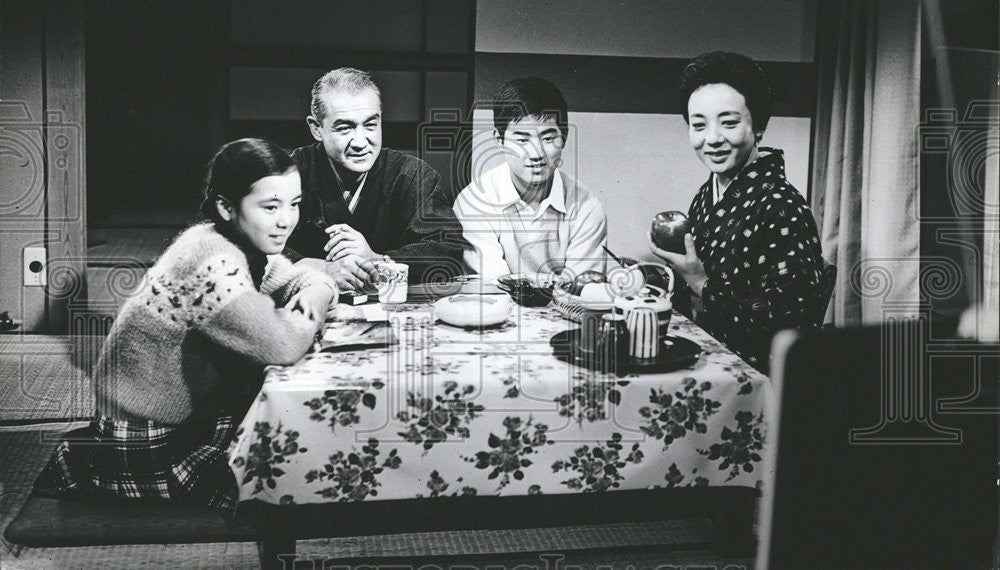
137	459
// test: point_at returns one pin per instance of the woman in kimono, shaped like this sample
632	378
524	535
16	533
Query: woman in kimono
754	257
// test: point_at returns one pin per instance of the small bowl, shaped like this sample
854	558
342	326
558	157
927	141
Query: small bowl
473	311
527	290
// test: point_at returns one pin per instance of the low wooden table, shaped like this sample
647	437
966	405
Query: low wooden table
487	428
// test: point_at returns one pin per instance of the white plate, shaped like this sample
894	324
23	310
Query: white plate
570	300
476	284
473	310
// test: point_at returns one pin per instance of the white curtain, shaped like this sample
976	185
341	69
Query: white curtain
866	194
991	253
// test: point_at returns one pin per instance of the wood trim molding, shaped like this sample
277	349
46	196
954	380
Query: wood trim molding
613	84
310	58
65	149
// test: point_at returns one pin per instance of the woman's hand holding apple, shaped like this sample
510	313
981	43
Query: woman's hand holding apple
668	230
687	264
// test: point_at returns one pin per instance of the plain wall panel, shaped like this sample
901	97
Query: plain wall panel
381	25
448	25
777	30
284	94
622	84
446	91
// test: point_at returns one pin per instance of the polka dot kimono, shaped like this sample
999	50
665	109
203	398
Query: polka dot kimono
761	252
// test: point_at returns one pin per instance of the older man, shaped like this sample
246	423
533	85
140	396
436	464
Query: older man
362	202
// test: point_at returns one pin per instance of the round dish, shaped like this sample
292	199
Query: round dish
473	310
528	289
474	285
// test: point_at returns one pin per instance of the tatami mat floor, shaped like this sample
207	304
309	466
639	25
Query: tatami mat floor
678	544
42	378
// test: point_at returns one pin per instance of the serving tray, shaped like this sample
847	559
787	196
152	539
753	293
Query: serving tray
676	352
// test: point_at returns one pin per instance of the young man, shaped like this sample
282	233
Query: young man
362	202
525	215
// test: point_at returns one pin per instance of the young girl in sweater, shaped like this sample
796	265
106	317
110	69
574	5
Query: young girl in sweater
219	304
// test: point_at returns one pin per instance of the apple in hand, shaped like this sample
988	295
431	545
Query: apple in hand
669	229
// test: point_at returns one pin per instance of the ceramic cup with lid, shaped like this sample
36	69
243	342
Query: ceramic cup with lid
659	303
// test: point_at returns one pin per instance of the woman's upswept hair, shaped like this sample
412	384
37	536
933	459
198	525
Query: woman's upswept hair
735	70
234	169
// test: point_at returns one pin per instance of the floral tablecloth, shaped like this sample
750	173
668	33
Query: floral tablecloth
448	412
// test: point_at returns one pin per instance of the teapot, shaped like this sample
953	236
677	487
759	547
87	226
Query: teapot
655	298
633	279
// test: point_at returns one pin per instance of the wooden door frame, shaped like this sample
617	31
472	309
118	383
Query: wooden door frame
65	163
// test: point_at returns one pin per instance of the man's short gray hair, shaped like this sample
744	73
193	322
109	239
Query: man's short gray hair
346	79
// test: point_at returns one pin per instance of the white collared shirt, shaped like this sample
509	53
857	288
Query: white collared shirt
565	231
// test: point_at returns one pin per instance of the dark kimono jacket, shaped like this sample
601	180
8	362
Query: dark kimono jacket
402	212
761	252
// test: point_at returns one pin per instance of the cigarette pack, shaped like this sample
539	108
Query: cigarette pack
353	298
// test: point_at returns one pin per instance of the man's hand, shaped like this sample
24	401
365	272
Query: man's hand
687	265
312	301
345	241
351	273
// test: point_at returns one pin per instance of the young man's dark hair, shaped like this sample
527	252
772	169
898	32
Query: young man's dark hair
736	70
529	97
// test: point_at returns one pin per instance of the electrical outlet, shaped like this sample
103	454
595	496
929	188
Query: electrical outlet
35	269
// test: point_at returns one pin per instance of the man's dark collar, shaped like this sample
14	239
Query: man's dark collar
336	176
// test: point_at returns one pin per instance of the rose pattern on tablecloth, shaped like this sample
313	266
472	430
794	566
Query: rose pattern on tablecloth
742	378
740	448
509	376
589	397
672	415
453	412
598	468
508	456
354	475
432	420
342	405
675	478
438	486
266	454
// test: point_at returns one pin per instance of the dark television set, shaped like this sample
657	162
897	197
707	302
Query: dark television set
886	450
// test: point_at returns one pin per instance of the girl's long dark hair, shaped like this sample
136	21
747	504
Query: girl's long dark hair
234	169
